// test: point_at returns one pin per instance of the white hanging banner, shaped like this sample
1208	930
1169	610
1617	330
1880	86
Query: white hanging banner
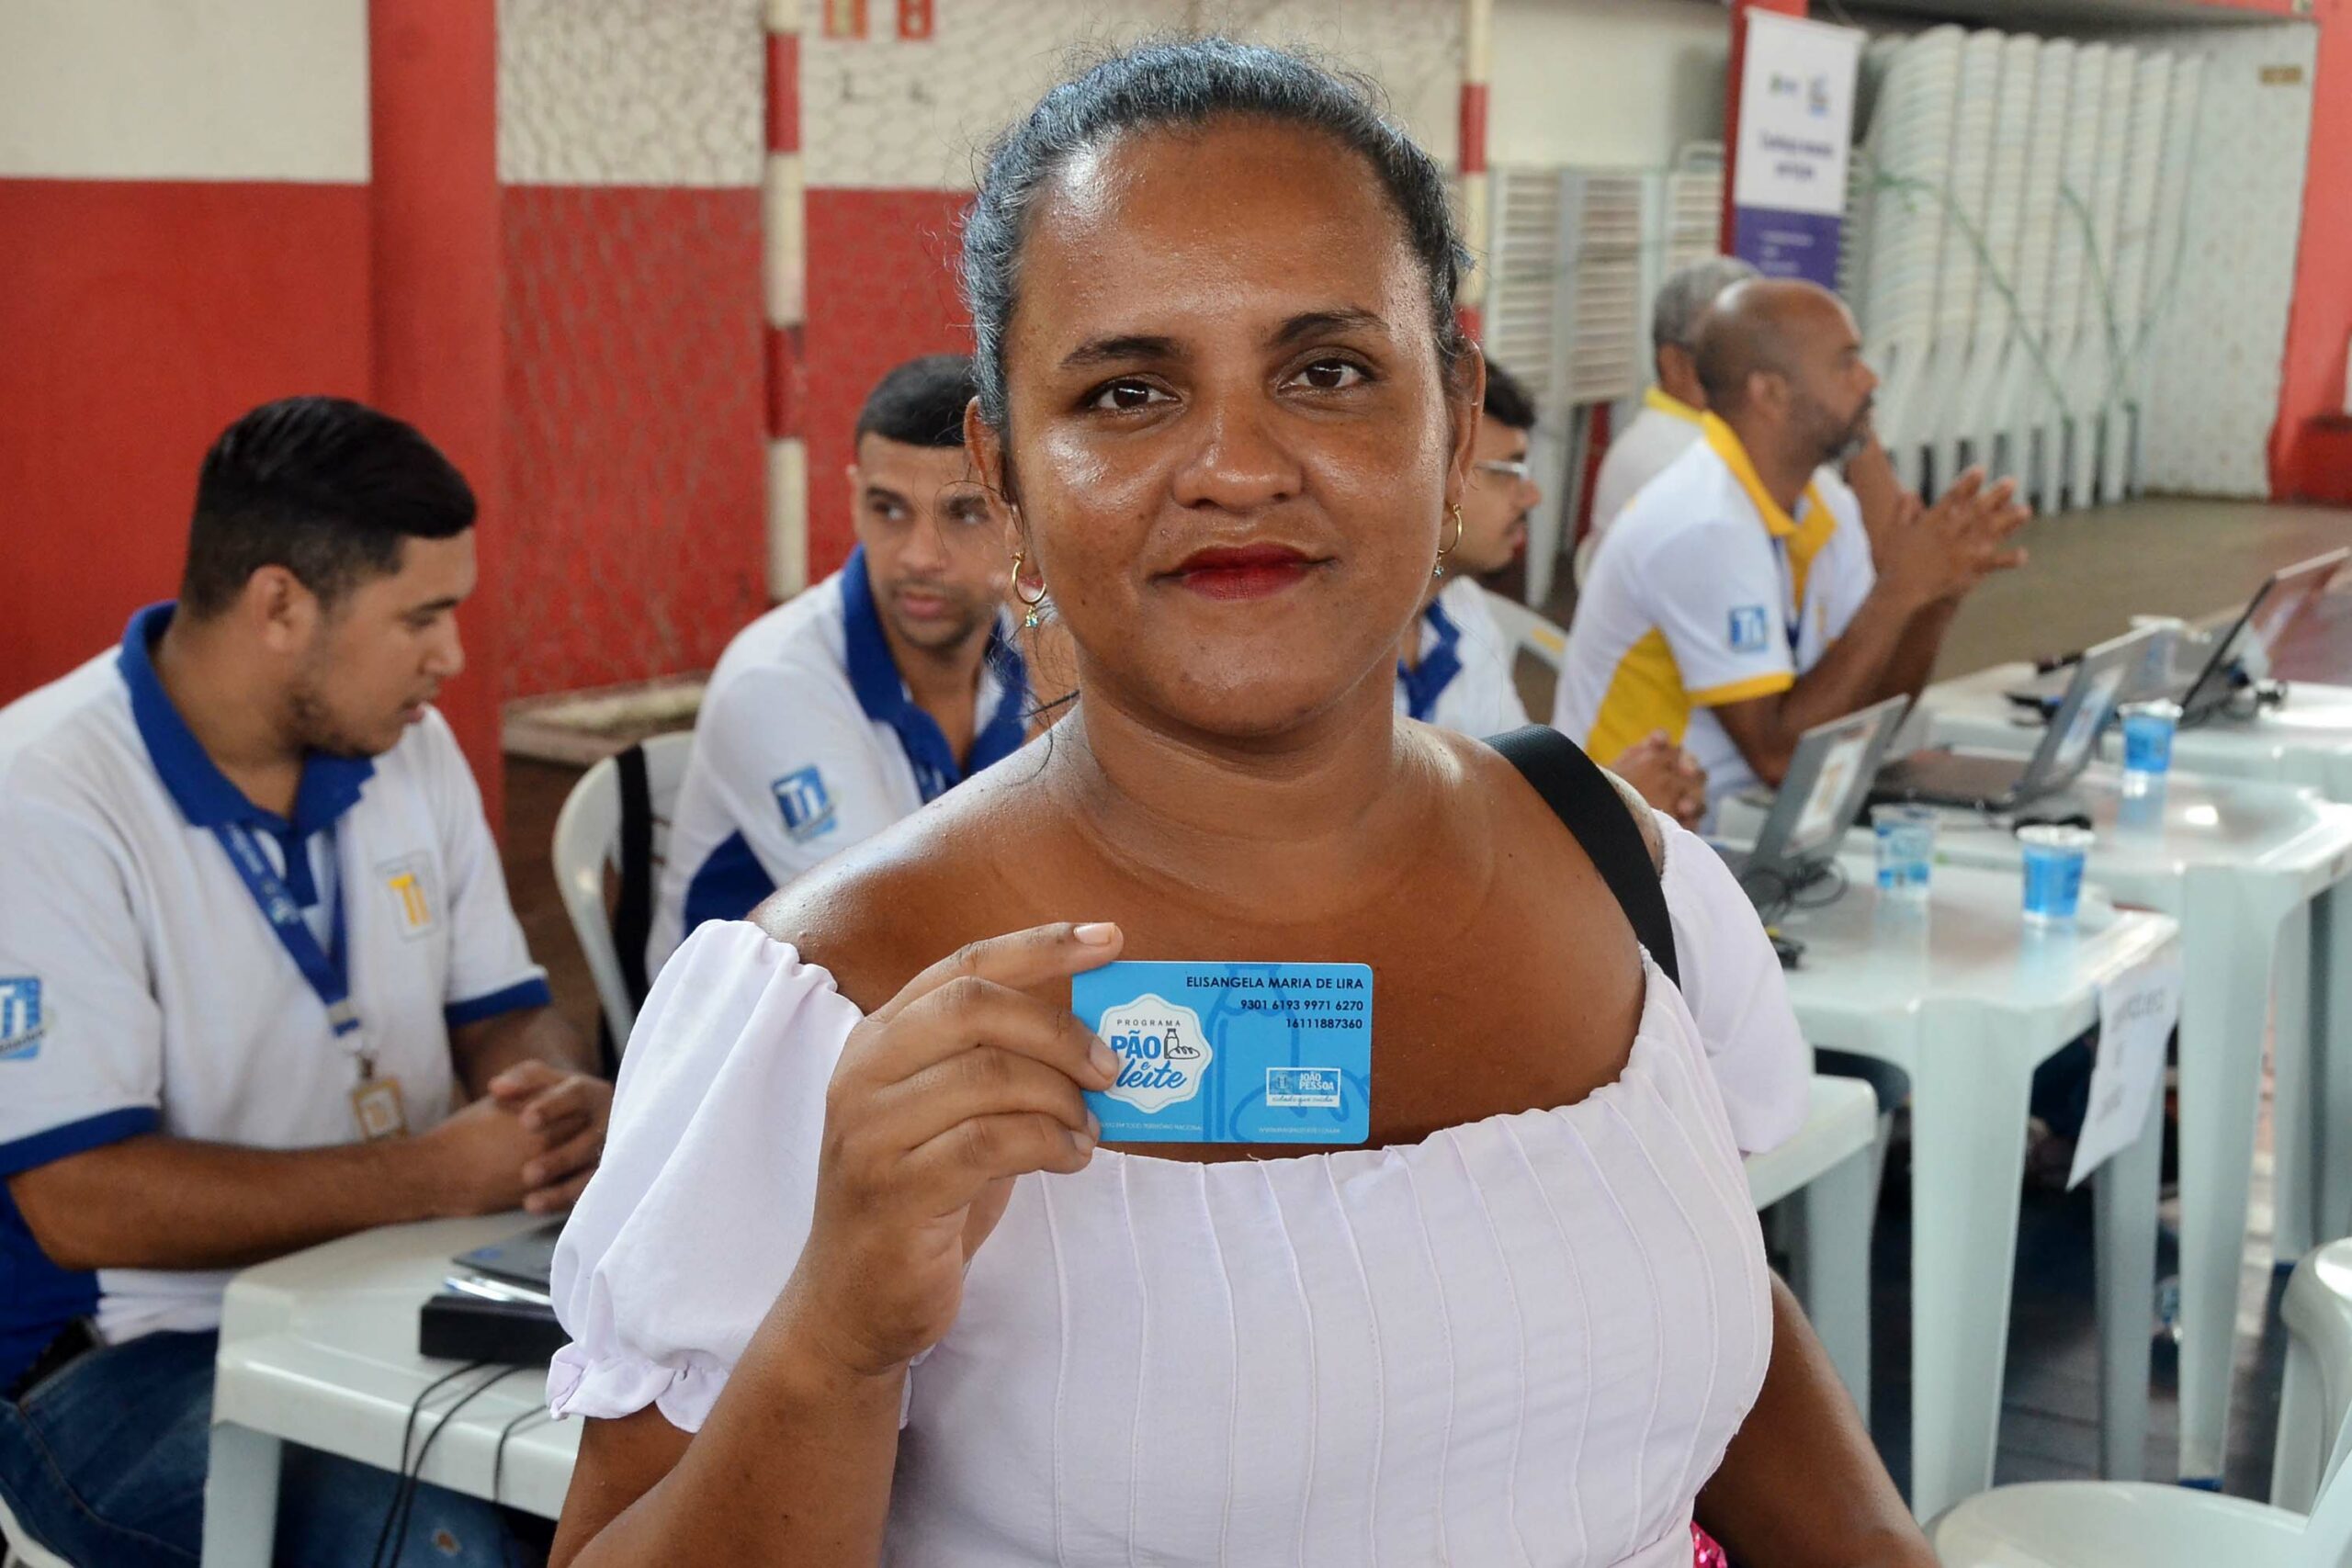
2136	1014
1795	134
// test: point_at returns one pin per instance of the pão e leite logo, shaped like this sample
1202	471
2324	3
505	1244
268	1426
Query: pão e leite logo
1164	1053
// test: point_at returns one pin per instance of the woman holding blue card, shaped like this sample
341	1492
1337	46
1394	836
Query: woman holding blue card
862	1278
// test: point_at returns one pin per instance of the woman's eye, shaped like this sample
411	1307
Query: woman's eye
1331	374
1123	397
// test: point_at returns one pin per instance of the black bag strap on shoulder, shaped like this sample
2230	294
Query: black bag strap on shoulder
1591	808
633	909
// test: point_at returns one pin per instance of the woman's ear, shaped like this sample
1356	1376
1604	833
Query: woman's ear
1465	398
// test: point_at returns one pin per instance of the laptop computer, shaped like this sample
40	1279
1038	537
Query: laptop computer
1828	776
525	1260
2278	604
1987	781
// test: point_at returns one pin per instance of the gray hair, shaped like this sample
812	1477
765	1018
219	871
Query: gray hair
1684	296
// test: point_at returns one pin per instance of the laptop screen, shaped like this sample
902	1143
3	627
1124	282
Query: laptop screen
1828	811
2066	748
1826	782
2274	608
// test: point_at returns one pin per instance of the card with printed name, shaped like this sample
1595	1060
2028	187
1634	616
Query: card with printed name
1232	1052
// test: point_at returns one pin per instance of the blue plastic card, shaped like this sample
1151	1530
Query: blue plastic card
1232	1052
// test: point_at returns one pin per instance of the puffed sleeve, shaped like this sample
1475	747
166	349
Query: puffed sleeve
699	1210
1732	982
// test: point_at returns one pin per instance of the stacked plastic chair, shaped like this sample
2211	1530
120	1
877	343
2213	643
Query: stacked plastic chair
2026	402
1854	243
2166	248
1961	269
2143	170
1909	168
1974	433
2097	359
2074	303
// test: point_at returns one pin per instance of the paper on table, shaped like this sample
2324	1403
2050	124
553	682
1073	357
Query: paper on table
2136	1014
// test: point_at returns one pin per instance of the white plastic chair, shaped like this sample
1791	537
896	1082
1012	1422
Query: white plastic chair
2025	405
2317	1393
2152	107
587	845
19	1549
1528	632
1910	142
2099	1524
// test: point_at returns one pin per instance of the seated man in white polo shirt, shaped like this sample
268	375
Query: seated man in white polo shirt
254	944
877	691
1669	423
1454	668
1733	605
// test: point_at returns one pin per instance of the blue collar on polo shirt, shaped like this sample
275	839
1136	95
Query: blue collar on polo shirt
1425	682
330	785
882	693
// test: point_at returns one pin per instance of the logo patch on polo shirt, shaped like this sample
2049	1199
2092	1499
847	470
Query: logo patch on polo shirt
407	882
1749	629
21	1023
808	809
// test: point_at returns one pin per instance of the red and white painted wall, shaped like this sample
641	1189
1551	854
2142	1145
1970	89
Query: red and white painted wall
186	196
716	221
184	232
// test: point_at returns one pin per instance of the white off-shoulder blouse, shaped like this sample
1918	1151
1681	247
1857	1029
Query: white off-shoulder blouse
1524	1340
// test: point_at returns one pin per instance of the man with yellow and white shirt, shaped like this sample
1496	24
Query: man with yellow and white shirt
1735	604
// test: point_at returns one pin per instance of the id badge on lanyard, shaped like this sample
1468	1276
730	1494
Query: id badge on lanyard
375	1102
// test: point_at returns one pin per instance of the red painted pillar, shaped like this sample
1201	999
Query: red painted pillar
433	318
2309	458
1739	9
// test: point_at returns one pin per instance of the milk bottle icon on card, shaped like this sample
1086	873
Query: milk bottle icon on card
1164	1053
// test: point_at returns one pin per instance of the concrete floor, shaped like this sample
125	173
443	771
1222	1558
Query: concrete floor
2089	573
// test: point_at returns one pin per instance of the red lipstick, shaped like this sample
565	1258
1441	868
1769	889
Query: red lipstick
1243	572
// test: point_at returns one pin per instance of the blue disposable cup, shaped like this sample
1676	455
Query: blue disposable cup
1906	848
2148	730
2055	857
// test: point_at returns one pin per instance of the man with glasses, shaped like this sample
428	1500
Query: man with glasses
871	694
1454	669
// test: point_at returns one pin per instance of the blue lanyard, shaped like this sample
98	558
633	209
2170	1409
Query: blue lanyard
328	971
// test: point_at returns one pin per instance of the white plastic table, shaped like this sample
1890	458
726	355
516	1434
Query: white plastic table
2237	865
2307	741
319	1348
1968	1003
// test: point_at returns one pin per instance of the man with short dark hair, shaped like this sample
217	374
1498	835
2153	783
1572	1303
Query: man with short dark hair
254	944
873	693
1736	607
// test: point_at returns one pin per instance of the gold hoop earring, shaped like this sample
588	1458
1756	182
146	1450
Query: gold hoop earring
1028	622
1439	570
